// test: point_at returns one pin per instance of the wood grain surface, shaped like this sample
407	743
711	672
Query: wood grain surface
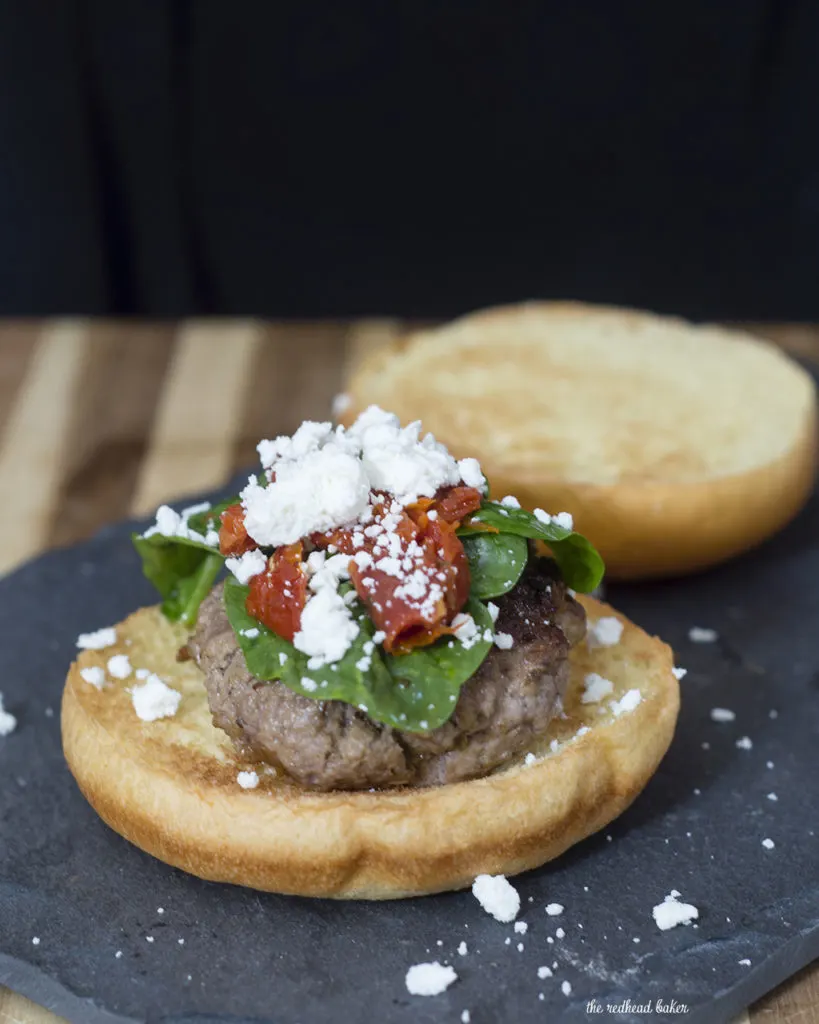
101	420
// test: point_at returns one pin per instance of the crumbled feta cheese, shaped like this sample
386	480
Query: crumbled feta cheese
745	743
465	629
769	844
564	520
251	633
93	675
465	1018
327	628
35	940
462	950
554	909
605	632
510	501
493	610
595	688
282	658
341	403
566	988
744	963
529	759
679	673
722	715
248	780
521	927
544	972
542	516
155	699
142	673
470	470
560	934
628	702
8	723
503	640
96	641
429	979
671	912
309	684
773	796
248	565
170	523
520	947
497	896
119	666
701	635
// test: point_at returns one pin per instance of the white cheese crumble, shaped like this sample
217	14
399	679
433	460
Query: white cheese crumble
510	501
628	702
722	715
773	796
493	610
470	470
544	972
566	988
671	912
155	699
744	963
554	909
8	723
744	743
93	675
251	633
175	524
462	949
521	927
341	403
142	673
769	844
327	628
497	896
595	688
679	673
605	632
248	780
429	979
248	565
96	641
465	629
119	666
529	759
542	516
702	635
503	640
309	684
465	1018
565	520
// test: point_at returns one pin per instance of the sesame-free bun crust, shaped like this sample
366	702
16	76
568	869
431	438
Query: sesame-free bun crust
170	786
674	446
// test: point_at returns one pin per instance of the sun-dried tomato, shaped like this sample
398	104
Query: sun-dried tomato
277	596
233	537
456	503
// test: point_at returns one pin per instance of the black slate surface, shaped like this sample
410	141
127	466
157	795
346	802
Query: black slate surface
85	893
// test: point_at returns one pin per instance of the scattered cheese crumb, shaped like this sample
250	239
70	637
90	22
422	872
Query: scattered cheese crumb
8	723
119	666
744	963
94	675
497	897
541	516
772	796
671	912
554	909
521	927
529	759
520	947
628	702
769	844
465	1018
429	979
462	950
105	637
142	673
744	743
596	688
722	715
504	641
544	972
564	520
493	610
605	632
35	941
560	933
566	988
773	713
341	403
155	699
248	565
149	938
510	501
679	673
471	474
118	954
701	635
248	780
251	633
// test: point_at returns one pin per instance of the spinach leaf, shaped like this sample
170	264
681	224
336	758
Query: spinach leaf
496	561
415	692
210	518
183	571
580	564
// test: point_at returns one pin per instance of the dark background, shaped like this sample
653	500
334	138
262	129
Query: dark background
169	157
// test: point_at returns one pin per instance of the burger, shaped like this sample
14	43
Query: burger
367	678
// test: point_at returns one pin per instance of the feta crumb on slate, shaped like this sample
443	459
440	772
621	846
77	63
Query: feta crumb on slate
35	941
628	702
772	796
744	963
493	610
504	641
722	715
155	699
596	688
521	927
773	713
8	723
744	743
702	635
119	666
497	897
248	565
769	764
520	947
605	632
560	933
429	979
118	954
462	950
93	675
529	759
769	844
105	637
465	1018
679	673
554	909
248	780
566	988
671	912
544	972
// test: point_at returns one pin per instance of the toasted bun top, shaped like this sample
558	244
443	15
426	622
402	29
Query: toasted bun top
170	786
617	415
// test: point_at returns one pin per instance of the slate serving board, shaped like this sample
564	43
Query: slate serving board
66	879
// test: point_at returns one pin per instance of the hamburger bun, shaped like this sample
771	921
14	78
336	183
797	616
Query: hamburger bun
674	446
170	786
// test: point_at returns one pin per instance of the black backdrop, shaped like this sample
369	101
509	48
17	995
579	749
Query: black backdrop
165	157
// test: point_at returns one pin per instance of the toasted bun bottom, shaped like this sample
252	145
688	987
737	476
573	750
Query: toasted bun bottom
170	786
674	446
